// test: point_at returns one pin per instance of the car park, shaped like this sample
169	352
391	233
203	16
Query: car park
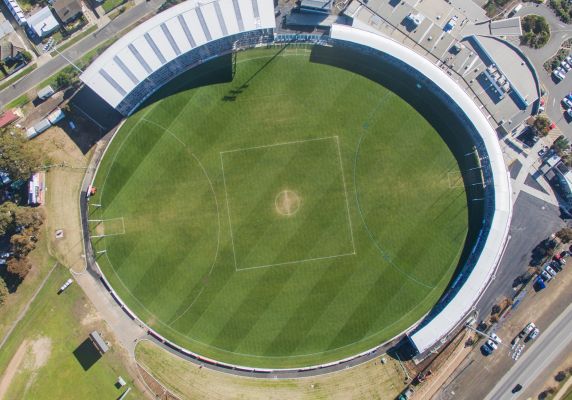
534	334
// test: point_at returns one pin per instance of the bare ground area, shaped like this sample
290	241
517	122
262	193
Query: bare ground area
372	380
29	358
64	179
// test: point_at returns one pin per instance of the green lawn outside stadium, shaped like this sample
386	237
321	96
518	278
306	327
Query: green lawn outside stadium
208	250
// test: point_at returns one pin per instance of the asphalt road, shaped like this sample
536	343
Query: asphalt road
533	221
537	361
79	49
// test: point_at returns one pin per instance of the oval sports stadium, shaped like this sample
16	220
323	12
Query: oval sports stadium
275	201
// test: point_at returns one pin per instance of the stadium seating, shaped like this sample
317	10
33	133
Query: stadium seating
172	42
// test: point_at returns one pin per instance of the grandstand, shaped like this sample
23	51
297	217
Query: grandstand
172	42
192	33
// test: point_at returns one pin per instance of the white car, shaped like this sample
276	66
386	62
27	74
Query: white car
565	65
567	102
546	276
549	269
569	59
534	334
528	328
558	75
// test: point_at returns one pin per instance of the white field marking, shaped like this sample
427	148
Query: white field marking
386	327
103	221
228	211
346	194
217	212
221	349
277	144
454	181
236	268
297	261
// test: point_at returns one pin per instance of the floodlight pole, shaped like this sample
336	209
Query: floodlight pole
68	60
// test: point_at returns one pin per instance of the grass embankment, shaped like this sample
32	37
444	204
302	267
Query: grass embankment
70	42
372	380
45	366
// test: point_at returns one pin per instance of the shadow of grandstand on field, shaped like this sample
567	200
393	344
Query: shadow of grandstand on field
233	94
212	72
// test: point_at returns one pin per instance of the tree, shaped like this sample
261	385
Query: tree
29	218
26	56
17	157
542	125
3	291
19	266
23	243
561	145
565	234
7	217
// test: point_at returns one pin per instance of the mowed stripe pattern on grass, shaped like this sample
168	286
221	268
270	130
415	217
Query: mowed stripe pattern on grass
377	186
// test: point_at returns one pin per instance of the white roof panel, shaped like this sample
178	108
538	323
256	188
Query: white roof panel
178	34
147	53
195	27
266	10
132	63
162	43
119	76
247	14
229	15
211	20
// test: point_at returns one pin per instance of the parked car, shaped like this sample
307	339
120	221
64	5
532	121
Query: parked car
569	112
528	328
549	269
556	266
546	276
558	75
569	59
567	102
565	65
534	334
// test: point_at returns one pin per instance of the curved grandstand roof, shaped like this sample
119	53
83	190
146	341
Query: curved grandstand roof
462	303
168	35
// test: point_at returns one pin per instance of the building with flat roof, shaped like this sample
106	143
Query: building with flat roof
43	23
320	6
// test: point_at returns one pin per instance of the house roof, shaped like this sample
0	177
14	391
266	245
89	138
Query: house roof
67	9
7	118
6	50
43	22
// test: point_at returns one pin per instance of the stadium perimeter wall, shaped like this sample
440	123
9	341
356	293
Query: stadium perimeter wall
477	272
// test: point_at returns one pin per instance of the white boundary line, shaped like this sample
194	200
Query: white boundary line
336	138
346	193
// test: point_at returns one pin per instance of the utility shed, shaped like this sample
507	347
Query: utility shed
99	342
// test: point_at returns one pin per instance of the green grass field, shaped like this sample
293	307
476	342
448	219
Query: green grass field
298	214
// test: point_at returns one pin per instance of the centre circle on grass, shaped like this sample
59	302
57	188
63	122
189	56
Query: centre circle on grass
254	232
287	202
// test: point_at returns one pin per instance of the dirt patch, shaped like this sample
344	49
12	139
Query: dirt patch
30	356
12	369
64	177
40	350
287	203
